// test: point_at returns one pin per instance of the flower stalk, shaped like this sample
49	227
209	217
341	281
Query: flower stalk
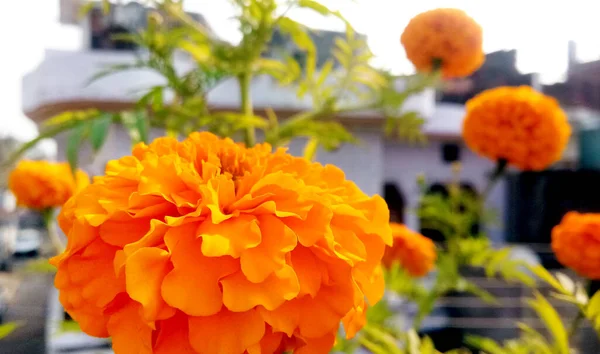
50	224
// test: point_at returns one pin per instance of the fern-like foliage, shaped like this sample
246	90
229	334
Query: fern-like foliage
571	291
531	341
478	252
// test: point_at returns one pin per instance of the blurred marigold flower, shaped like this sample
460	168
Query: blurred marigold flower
444	38
41	185
517	124
576	243
205	246
415	252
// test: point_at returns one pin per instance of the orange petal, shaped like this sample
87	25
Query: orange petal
321	345
173	336
354	321
277	240
144	273
129	333
285	318
314	227
79	236
271	343
123	230
226	332
193	285
229	238
330	306
307	270
371	284
239	294
93	271
348	246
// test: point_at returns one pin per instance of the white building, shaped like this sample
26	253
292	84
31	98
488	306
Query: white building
59	83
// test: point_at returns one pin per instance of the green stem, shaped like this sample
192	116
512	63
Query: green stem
57	243
245	79
494	178
575	324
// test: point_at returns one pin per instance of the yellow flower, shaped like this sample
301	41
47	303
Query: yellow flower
444	38
576	243
517	124
415	252
42	184
205	246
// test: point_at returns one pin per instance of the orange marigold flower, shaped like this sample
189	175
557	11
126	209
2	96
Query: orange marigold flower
517	124
576	243
415	252
205	246
42	184
444	38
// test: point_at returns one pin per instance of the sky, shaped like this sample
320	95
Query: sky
539	30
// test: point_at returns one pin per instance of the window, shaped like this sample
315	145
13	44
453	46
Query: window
450	153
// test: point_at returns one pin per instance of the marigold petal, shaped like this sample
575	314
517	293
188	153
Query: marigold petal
128	332
307	270
280	286
173	336
226	332
321	345
123	230
193	284
229	238
269	256
314	227
144	272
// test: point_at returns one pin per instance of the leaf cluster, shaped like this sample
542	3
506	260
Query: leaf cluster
346	84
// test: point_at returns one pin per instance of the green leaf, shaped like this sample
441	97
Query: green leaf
143	127
85	9
310	149
485	344
99	131
298	34
137	126
200	52
39	266
74	144
113	69
427	346
69	326
325	71
8	328
105	7
316	6
71	116
552	321
545	275
593	311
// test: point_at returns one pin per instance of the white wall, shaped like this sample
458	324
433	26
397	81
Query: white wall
403	164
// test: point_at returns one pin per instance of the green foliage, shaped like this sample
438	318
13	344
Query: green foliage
570	291
478	252
346	84
531	341
39	266
69	326
8	328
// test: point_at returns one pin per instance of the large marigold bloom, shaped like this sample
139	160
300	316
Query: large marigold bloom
576	243
444	38
415	252
42	184
517	124
205	246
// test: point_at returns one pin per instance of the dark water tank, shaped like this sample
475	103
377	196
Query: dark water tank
537	201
